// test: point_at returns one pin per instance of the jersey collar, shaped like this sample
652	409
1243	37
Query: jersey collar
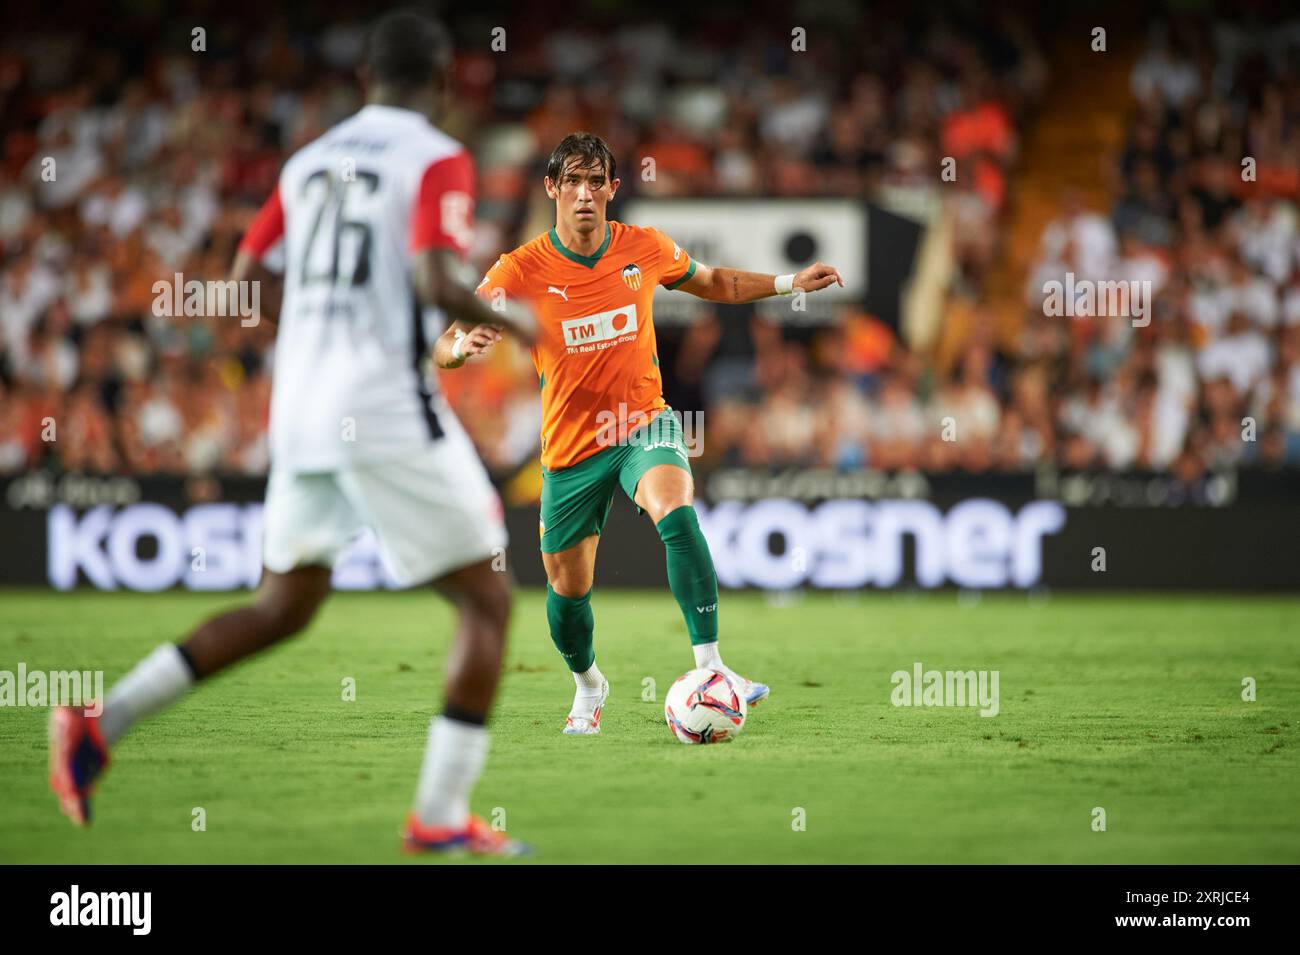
394	112
588	260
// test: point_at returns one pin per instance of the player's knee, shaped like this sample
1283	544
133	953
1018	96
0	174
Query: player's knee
676	501
489	605
666	505
572	583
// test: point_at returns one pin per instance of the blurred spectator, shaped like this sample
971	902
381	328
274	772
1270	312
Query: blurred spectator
119	172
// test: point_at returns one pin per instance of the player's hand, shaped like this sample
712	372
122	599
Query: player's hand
479	340
817	276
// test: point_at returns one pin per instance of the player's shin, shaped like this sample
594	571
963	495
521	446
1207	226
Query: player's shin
453	761
695	585
572	623
156	682
690	573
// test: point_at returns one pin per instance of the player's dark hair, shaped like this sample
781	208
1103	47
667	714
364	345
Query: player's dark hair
588	148
407	50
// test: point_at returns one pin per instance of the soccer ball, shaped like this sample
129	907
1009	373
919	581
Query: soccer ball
703	706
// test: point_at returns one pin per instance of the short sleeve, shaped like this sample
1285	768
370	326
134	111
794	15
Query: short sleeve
502	279
443	217
266	229
675	266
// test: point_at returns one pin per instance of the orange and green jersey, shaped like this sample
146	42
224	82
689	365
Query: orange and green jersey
595	355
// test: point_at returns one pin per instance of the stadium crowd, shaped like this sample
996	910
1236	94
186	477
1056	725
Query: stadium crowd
124	165
1205	213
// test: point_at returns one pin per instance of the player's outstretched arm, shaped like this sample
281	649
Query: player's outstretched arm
439	284
732	286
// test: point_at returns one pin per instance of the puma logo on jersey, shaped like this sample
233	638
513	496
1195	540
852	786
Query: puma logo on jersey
563	293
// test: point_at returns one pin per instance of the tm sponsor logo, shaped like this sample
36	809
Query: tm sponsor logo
595	332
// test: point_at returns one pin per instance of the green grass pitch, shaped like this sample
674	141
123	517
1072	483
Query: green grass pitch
1129	703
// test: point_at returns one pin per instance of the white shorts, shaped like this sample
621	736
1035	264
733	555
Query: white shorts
433	512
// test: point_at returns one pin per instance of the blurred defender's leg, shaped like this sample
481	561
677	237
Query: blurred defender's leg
437	518
285	605
457	748
308	521
482	599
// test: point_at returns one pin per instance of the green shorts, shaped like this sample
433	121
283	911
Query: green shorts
576	500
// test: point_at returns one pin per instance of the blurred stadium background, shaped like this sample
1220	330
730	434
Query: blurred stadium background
1175	446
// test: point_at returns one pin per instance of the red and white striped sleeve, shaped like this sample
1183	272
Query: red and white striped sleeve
267	228
443	217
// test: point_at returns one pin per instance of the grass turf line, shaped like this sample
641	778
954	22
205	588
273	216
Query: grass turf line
1130	703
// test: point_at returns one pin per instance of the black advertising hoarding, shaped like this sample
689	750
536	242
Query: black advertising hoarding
770	530
1231	531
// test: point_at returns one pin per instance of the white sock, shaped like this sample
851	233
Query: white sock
156	682
453	762
587	695
707	657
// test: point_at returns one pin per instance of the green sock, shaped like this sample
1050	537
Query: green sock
572	624
690	573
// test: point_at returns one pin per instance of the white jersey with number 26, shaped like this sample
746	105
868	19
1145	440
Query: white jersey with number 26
351	382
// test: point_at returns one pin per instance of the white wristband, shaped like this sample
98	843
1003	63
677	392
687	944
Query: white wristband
455	348
785	284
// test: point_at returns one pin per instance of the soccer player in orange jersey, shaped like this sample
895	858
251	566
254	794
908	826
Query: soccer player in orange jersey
605	422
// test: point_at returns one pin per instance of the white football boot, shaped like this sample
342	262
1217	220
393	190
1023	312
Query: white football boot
583	719
754	693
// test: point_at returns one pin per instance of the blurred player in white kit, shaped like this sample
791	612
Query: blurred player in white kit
372	221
